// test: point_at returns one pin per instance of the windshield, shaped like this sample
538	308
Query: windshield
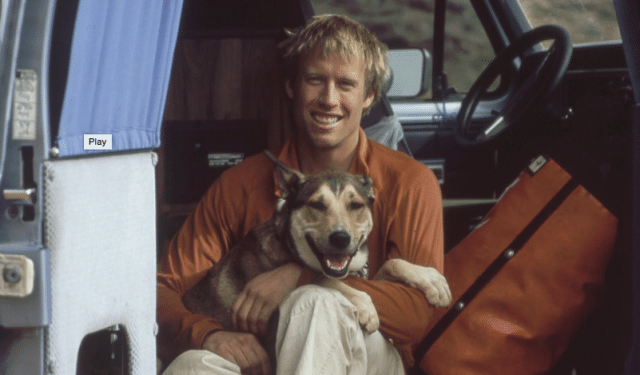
587	21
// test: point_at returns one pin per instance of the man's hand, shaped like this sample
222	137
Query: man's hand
241	348
261	296
251	313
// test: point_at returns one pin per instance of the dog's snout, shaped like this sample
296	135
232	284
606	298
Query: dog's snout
339	240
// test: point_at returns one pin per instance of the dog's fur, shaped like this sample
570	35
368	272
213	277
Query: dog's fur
321	221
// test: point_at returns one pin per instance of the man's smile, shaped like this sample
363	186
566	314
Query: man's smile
325	120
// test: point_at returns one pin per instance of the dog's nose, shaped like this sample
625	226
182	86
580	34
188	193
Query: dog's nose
340	240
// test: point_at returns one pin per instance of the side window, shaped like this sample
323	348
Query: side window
409	24
587	21
467	50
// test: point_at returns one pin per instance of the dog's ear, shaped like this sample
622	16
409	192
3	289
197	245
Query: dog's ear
289	181
367	183
288	178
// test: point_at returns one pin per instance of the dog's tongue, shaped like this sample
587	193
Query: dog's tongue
337	262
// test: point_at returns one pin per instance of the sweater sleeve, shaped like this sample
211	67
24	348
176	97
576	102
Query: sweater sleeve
200	243
239	200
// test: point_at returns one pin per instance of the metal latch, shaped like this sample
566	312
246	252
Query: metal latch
21	196
16	276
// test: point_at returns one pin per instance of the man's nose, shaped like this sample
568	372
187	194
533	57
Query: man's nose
330	96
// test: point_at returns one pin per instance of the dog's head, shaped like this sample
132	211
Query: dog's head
328	217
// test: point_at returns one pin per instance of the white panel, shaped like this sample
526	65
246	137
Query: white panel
100	228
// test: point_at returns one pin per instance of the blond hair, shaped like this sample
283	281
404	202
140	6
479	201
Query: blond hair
342	36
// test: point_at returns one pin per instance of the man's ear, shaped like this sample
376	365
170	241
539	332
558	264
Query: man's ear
369	100
288	87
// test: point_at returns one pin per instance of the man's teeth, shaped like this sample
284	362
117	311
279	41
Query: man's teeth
326	119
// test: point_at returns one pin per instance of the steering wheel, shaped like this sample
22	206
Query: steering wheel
535	89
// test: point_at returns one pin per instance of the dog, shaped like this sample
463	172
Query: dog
321	221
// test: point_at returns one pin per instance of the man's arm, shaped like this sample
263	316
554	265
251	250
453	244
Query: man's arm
180	330
262	296
218	222
195	249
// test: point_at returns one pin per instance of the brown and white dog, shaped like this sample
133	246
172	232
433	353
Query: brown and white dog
321	221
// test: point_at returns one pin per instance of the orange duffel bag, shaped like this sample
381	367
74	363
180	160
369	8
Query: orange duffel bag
523	281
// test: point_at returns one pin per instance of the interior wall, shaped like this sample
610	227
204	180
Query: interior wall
221	87
229	79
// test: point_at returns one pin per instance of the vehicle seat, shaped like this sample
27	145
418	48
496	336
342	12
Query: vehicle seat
383	126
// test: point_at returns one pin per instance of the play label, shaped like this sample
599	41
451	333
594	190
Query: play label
98	142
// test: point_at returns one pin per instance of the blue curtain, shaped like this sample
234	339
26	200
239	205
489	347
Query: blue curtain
119	69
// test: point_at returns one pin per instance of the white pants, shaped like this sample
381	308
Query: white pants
318	333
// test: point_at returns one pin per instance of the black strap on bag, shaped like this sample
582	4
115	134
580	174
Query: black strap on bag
490	272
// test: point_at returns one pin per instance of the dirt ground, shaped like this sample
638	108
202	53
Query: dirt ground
409	23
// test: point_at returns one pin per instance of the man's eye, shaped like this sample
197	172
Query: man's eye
317	206
314	80
347	84
355	205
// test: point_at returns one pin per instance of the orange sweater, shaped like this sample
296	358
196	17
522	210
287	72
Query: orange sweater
407	216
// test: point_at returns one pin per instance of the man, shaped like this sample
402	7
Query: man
335	71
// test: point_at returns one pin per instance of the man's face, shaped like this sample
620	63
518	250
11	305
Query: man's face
328	100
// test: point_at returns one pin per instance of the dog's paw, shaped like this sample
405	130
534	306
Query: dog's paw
435	287
367	314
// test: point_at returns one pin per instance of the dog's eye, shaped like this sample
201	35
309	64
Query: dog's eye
355	205
317	205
